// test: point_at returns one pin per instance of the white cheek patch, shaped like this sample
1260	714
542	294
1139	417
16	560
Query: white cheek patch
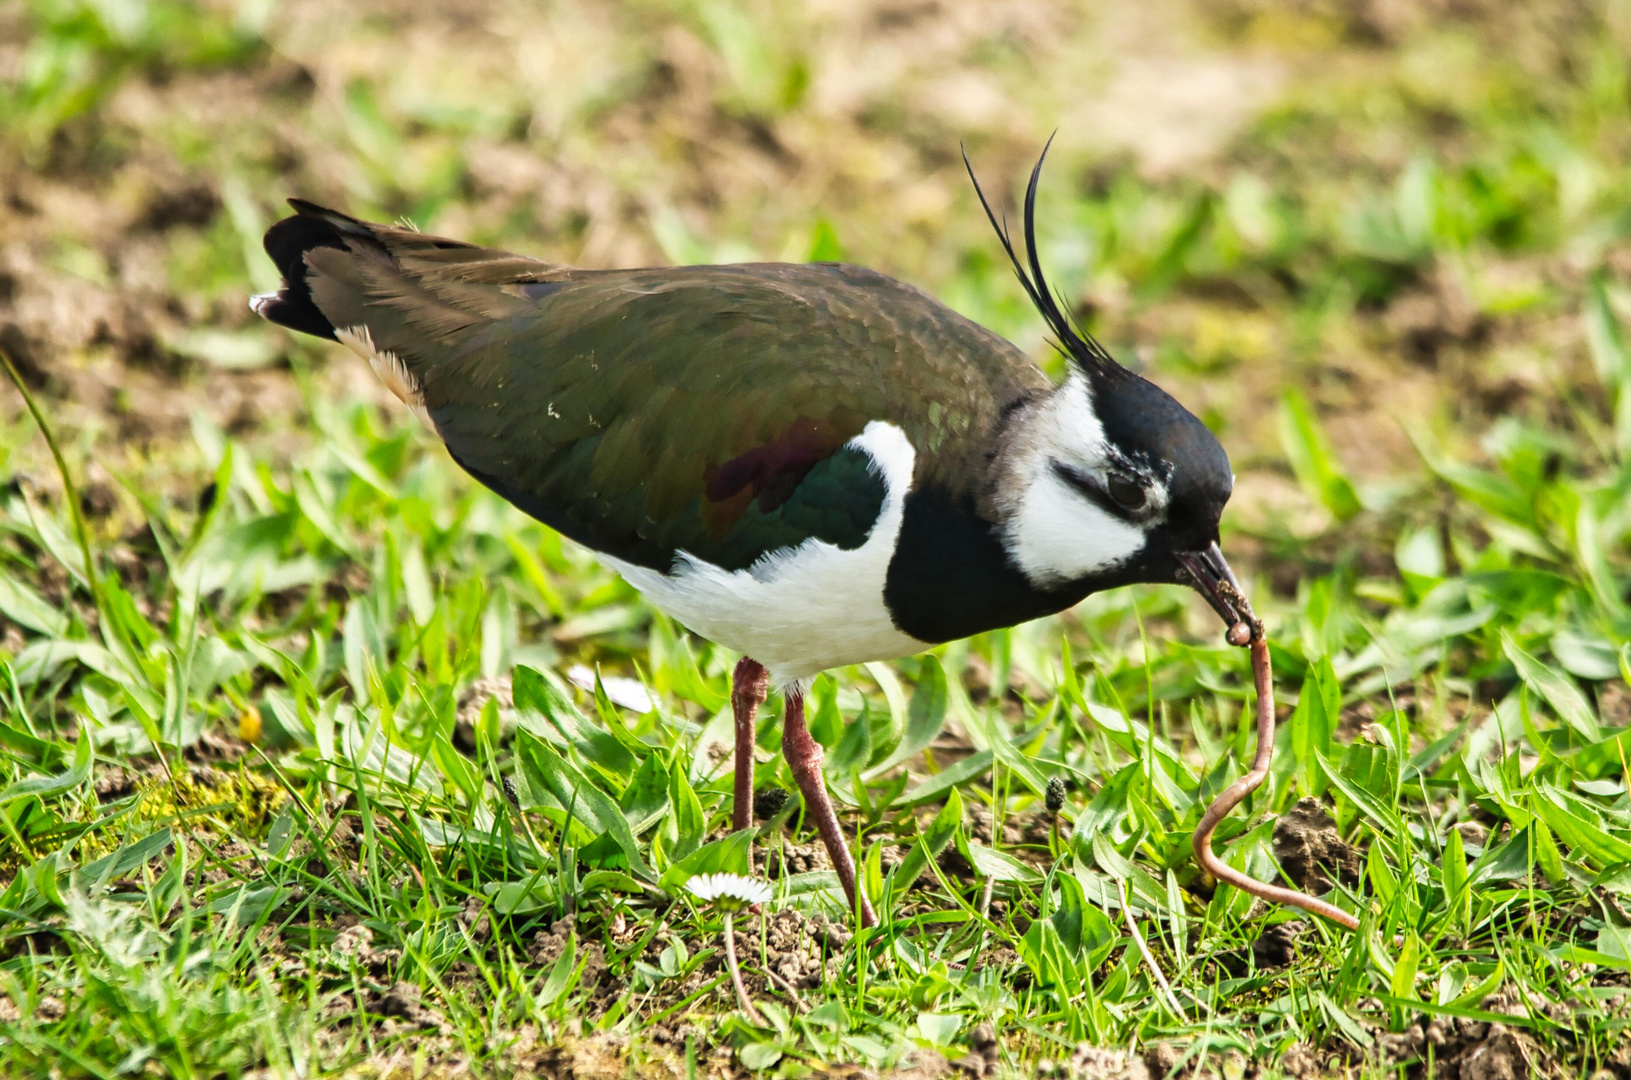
1055	535
1053	532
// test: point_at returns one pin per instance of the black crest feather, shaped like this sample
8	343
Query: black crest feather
1069	337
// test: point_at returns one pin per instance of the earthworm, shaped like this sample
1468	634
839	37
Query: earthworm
1249	631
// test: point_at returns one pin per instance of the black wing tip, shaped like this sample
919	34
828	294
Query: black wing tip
1069	337
286	244
334	219
294	312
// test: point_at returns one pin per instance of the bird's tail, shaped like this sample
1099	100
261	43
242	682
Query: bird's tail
287	243
326	257
401	299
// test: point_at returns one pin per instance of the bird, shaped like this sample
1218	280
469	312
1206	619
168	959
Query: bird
812	465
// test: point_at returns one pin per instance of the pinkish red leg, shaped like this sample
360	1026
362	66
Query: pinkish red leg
804	756
749	684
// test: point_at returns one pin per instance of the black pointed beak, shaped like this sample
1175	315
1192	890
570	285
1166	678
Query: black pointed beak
1209	573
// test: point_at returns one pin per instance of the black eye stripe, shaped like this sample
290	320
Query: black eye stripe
1088	486
1096	493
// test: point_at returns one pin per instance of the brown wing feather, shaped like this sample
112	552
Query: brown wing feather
696	408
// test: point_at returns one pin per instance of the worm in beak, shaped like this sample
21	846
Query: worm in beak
1209	573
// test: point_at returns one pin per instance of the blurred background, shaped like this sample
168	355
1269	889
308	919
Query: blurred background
1339	229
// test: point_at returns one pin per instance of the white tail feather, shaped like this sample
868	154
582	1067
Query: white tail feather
390	369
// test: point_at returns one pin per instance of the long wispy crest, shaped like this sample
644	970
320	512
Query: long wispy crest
1069	337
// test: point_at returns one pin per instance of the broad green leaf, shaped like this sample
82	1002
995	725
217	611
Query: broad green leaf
824	244
891	726
1611	356
537	694
646	798
525	897
96	874
821	713
1452	979
925	716
361	468
1547	855
1374	809
1109	805
1605	758
1002	745
464	837
813	882
1483	988
39	660
44	876
1489	490
1312	459
1609	352
1384	883
457	768
1585	838
1457	894
997	865
1586	655
936	786
1133	736
930	843
1420	557
25	607
759	1056
1588	546
51	536
21	741
1614	942
317	511
560	973
1403	982
732	854
1067	946
609	881
1560	693
939	1029
548	780
854	749
690	823
1108	859
247	905
1314	721
535	574
67	780
416	584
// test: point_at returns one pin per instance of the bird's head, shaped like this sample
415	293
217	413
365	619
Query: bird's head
1108	480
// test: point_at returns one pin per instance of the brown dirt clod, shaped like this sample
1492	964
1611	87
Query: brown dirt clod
402	1002
1308	848
1099	1063
1276	946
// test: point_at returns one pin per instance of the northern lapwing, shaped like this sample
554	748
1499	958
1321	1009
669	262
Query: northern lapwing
812	465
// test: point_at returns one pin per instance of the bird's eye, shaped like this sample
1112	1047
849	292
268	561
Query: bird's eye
1128	493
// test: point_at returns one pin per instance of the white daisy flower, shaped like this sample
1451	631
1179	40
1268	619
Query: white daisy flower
728	894
731	892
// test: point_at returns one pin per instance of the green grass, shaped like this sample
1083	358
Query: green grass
255	820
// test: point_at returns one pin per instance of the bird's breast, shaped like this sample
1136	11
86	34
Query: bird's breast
804	609
951	576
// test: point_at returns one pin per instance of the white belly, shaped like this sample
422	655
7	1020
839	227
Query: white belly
806	609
